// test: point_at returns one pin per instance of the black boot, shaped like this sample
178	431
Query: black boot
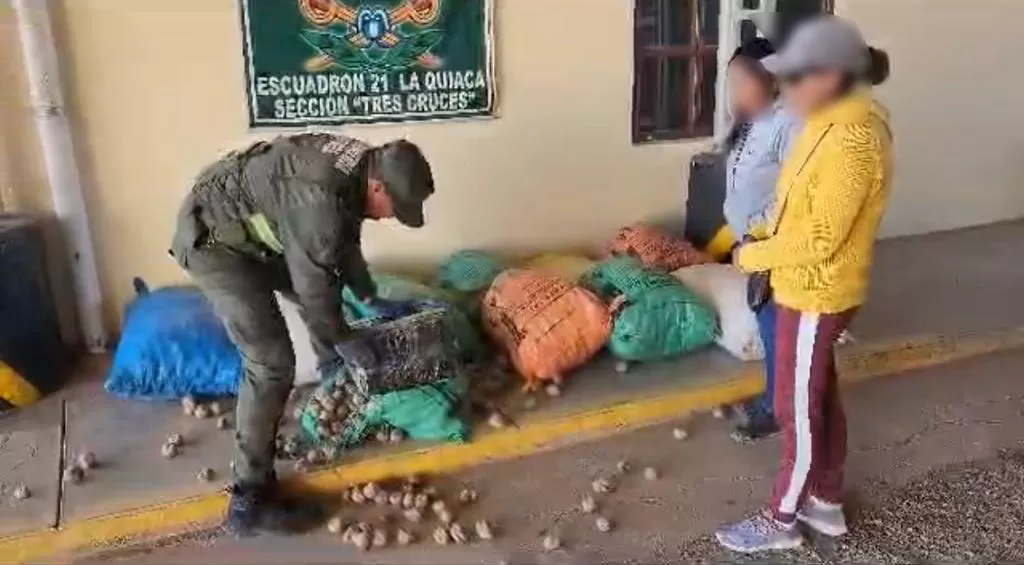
755	429
245	510
263	509
757	424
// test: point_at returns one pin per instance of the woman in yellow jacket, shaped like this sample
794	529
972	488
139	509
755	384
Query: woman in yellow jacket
830	197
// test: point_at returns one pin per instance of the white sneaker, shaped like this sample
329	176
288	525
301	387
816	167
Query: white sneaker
824	517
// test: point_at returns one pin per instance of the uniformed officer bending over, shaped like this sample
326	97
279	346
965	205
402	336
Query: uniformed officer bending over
286	216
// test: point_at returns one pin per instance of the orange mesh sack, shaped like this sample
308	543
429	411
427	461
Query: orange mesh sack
548	325
655	249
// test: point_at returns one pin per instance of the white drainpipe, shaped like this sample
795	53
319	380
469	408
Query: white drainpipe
61	167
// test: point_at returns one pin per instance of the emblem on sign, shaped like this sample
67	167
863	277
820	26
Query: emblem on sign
371	37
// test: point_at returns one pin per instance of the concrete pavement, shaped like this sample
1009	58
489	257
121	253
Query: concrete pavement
935	473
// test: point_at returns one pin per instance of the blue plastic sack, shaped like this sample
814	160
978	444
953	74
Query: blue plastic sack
173	345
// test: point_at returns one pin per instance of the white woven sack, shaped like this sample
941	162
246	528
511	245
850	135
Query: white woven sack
725	288
305	359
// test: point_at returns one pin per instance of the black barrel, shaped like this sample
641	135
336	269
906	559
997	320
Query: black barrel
30	341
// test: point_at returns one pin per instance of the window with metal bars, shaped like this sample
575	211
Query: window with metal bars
676	65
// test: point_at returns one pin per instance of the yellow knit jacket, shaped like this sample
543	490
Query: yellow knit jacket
830	197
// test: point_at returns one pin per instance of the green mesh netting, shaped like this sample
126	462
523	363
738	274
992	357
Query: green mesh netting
660	319
425	412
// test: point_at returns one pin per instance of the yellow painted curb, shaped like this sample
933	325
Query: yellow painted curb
857	363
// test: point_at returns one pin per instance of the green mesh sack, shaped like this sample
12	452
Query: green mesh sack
659	317
425	413
468	271
466	335
336	417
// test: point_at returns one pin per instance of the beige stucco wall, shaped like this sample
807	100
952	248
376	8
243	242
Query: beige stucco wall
156	91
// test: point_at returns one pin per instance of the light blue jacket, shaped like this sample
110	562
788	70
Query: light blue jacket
752	168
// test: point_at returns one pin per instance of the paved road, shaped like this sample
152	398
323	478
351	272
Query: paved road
936	473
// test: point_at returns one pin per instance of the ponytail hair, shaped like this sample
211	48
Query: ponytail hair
878	70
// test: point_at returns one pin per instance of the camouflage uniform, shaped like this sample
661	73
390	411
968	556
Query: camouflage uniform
282	216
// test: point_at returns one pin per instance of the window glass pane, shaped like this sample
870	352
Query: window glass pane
705	118
645	22
646	90
709	10
673	89
752	4
675	21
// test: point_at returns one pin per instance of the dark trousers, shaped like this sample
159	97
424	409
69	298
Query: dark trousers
808	408
241	289
763	407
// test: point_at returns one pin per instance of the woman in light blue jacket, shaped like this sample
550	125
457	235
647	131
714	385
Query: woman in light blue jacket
757	146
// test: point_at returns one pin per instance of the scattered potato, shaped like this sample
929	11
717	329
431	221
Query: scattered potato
380	538
484	531
334	525
553	390
169	450
205	475
176	440
370	490
603	524
651	474
74	475
623	466
403	537
395	499
551	542
87	460
680	434
622	367
223	423
457	534
602	486
496	420
21	492
216	409
201	412
362	539
396	436
441	536
467	496
588	504
413	515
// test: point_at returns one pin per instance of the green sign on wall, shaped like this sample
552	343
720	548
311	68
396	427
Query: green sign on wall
360	61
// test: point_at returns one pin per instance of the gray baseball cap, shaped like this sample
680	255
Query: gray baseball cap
822	43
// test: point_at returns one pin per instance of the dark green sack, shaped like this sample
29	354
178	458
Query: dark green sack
659	318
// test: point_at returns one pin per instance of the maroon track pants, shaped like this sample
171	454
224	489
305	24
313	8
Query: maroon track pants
808	409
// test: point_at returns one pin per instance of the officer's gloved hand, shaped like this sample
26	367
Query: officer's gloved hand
355	353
